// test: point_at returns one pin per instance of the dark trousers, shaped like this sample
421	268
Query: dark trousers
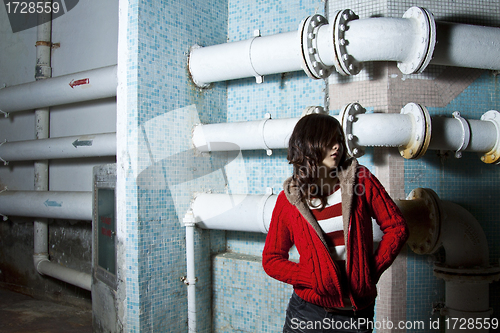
305	317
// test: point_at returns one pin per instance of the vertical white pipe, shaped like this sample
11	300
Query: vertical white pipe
41	168
190	280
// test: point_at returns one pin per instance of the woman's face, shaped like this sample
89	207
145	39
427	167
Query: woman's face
333	154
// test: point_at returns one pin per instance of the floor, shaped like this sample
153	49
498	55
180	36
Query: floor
20	313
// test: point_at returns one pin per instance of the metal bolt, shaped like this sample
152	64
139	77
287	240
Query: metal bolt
356	107
411	151
321	72
493	156
319	18
311	36
342	27
315	64
345	16
342	42
312	50
350	118
402	153
314	24
355	151
351	67
350	137
345	57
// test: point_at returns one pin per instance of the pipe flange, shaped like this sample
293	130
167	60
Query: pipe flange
465	134
347	117
425	42
345	64
425	239
421	134
313	110
471	274
311	63
493	156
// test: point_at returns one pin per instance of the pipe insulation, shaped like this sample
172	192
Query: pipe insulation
319	47
93	145
72	88
47	204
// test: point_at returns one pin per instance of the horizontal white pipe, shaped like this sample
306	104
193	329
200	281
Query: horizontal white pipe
253	57
66	274
71	88
381	39
93	145
404	40
49	204
238	212
464	45
447	134
372	129
241	212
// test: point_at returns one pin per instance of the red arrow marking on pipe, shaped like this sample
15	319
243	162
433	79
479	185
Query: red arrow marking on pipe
80	82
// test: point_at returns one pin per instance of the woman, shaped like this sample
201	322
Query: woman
326	211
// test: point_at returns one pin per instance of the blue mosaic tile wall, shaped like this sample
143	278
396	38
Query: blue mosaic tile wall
161	167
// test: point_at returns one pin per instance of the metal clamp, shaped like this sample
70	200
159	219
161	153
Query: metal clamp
6	114
421	133
424	43
465	134
493	156
1	159
347	117
262	124
311	63
5	218
346	64
261	210
313	109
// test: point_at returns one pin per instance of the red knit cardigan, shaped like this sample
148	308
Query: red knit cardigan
316	277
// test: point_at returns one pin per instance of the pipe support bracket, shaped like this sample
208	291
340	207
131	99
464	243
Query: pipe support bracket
345	64
493	156
347	117
311	63
465	134
421	134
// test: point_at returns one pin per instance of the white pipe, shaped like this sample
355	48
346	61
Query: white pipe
241	212
47	204
381	39
462	237
63	147
253	57
466	45
373	129
190	280
346	41
71	88
66	274
234	212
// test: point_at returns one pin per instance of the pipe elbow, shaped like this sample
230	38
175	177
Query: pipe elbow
462	237
39	258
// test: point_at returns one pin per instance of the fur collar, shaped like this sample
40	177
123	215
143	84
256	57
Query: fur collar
347	179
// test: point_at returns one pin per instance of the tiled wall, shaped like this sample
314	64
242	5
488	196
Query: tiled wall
158	169
161	171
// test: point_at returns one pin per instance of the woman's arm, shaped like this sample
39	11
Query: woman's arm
279	240
391	222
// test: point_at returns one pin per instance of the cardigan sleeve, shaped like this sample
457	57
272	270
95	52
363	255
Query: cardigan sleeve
279	240
391	222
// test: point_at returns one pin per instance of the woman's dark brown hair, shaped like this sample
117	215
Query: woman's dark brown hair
312	136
